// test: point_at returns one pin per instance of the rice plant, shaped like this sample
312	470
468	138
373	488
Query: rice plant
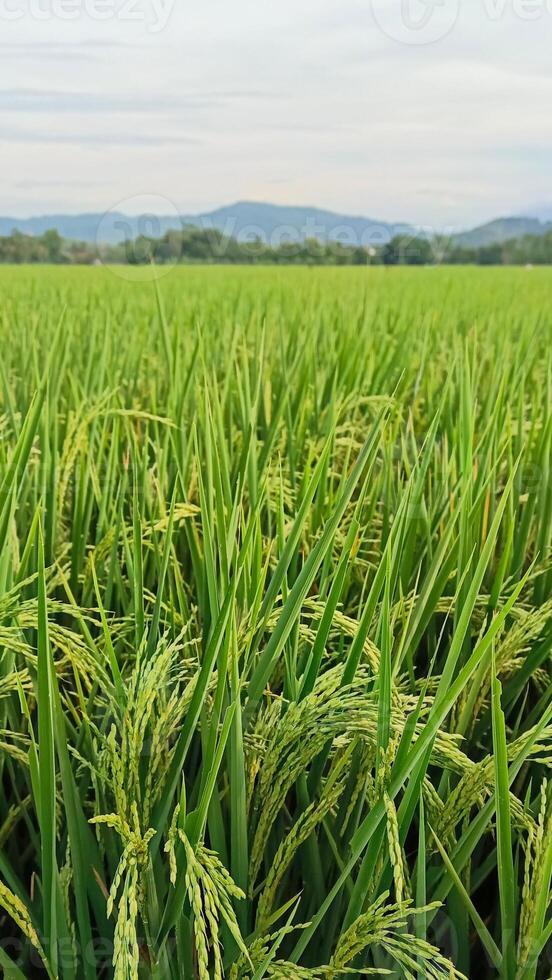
276	624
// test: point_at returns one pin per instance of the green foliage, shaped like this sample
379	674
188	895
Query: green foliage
195	246
407	250
191	245
275	624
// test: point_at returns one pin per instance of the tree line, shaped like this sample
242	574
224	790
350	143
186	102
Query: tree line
199	245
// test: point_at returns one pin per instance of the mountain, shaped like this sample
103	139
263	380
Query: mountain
107	228
501	230
274	223
271	222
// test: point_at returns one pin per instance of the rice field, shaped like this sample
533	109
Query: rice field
275	624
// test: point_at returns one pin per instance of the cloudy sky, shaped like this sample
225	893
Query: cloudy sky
431	111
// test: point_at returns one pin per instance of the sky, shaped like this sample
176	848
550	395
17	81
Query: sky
436	112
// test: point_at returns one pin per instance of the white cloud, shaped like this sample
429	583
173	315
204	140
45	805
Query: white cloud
297	103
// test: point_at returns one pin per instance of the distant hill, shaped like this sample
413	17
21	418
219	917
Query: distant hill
500	231
245	219
91	228
273	223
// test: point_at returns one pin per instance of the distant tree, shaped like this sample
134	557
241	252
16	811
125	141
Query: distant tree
491	254
169	247
360	256
53	244
209	245
407	250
